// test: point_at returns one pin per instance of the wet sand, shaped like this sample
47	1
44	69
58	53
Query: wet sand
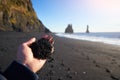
72	60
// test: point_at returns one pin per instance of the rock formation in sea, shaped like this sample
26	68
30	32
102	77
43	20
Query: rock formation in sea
69	29
19	15
87	30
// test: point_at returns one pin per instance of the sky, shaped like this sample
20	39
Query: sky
100	15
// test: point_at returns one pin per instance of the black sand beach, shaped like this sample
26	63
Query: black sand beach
72	60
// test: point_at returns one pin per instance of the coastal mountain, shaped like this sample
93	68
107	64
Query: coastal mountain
19	15
69	29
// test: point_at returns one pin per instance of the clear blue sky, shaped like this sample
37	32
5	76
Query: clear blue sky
100	15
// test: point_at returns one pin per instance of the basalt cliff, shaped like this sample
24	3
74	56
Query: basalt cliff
19	15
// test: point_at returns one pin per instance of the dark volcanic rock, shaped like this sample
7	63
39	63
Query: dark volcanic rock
69	29
19	15
46	30
87	30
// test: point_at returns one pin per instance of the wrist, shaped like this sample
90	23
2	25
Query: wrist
20	71
25	65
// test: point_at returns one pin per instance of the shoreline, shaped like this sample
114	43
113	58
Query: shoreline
84	60
93	37
72	60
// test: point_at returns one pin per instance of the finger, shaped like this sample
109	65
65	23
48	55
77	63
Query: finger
45	36
52	43
49	37
53	49
51	40
30	41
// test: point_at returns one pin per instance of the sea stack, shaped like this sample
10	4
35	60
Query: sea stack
69	29
87	30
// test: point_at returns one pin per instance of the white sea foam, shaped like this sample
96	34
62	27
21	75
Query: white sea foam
109	40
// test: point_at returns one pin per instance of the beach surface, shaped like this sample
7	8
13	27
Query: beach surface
72	59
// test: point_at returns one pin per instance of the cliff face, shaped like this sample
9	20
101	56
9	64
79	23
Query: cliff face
19	15
69	29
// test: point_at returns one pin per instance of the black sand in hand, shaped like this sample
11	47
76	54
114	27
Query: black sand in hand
41	49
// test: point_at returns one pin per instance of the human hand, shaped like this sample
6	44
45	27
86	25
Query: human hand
50	38
25	57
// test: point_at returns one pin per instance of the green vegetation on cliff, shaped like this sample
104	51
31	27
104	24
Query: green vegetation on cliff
19	15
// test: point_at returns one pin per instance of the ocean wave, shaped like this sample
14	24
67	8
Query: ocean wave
113	41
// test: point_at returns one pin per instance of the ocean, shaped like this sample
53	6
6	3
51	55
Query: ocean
104	37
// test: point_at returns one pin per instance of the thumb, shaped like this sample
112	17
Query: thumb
29	42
